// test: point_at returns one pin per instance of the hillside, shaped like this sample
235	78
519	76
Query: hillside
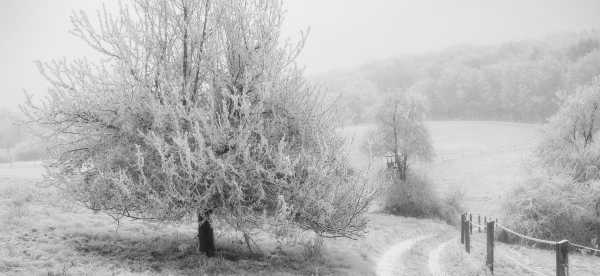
514	81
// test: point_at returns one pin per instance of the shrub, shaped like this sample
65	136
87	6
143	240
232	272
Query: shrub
555	208
570	144
561	199
414	197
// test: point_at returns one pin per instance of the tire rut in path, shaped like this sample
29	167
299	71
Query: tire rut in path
433	261
390	263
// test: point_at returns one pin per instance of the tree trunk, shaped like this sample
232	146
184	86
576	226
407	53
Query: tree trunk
398	165
405	165
206	237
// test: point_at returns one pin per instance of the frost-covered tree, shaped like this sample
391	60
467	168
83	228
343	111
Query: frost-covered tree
196	108
571	143
400	130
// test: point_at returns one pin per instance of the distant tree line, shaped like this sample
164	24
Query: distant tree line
517	81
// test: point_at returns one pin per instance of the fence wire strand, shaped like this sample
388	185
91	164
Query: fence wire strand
575	245
526	237
507	256
523	266
584	247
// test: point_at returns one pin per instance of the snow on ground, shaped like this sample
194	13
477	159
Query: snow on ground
390	263
433	262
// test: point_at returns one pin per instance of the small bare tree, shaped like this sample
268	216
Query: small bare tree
197	109
400	130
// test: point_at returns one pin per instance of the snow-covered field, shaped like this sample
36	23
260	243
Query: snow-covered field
482	160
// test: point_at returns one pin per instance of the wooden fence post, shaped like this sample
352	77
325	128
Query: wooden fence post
562	258
489	260
462	228
467	238
479	223
470	223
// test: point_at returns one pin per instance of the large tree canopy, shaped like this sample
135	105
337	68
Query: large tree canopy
197	108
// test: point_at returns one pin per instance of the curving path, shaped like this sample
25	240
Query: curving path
433	262
391	263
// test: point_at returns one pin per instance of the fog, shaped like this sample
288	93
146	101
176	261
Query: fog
198	140
343	33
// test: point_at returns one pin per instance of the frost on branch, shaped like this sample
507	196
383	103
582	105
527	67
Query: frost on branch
197	108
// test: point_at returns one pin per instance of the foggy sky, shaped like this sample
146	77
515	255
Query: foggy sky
344	33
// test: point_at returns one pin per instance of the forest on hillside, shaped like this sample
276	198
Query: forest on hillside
517	81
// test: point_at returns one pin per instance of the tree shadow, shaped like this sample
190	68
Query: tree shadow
170	253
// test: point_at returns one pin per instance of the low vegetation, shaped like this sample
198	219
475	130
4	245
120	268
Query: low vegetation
415	197
555	208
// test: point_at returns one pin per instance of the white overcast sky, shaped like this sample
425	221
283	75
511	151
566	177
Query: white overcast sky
344	33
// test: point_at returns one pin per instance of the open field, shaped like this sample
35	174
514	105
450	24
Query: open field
483	160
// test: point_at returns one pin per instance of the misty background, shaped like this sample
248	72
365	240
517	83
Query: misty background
443	107
344	35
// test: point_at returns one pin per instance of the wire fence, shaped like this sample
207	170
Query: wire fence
525	237
561	248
